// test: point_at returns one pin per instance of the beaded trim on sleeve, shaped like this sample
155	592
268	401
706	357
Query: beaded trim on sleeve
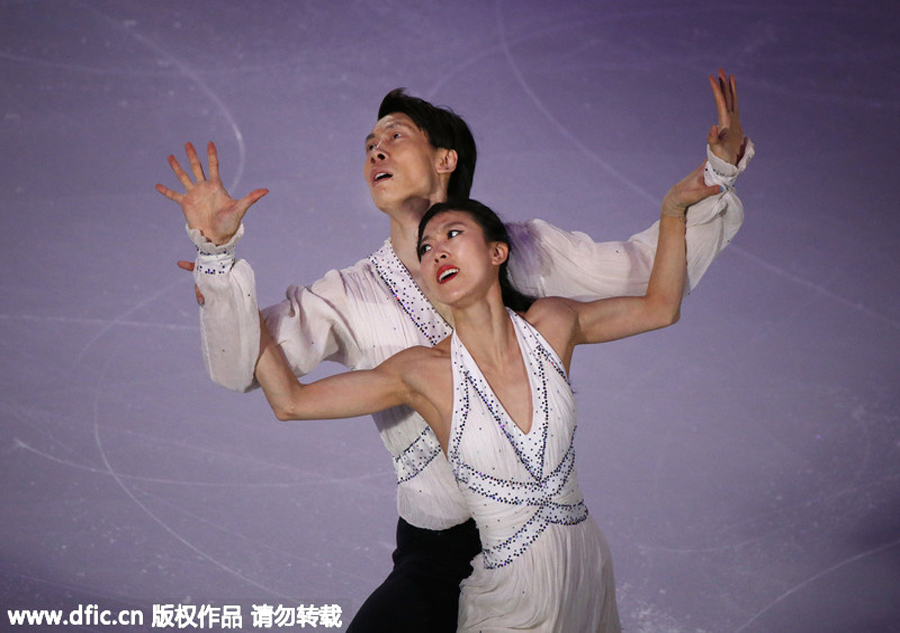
215	263
214	259
719	172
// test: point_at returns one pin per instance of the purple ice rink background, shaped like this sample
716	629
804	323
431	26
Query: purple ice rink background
744	465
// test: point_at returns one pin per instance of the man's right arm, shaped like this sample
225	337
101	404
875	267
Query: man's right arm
229	316
309	324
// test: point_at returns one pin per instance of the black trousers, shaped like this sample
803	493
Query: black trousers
421	594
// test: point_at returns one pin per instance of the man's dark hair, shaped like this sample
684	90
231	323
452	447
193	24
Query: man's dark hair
494	231
444	128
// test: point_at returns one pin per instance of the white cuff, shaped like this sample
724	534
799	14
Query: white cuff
213	259
720	172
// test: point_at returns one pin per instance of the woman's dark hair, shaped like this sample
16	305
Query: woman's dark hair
444	128
494	231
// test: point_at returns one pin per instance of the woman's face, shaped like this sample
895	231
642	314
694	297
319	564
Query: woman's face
457	263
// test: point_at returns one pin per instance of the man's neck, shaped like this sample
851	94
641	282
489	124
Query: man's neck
405	229
404	241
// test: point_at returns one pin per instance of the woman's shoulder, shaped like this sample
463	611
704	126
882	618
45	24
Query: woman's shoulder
555	318
419	354
425	371
419	360
552	309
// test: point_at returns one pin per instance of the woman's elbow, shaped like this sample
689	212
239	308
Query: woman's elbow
286	403
665	315
282	412
674	317
665	320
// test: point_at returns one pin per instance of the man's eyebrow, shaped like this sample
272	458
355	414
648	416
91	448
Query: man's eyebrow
389	126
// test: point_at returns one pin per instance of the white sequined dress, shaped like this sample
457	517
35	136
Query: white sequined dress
545	565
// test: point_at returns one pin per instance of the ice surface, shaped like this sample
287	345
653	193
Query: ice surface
744	465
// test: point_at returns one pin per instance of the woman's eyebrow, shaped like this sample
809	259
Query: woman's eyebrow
443	227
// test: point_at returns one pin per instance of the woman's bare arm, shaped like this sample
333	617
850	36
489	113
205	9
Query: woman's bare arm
611	319
567	323
345	395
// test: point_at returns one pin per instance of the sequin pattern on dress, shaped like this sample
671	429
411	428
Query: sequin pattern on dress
540	492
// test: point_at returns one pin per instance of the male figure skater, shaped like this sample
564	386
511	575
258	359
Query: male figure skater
416	155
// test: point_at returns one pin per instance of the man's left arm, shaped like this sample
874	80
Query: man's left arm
547	261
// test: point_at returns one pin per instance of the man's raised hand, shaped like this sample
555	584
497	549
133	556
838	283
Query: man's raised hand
726	139
205	204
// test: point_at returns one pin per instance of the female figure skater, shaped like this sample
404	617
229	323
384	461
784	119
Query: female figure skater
496	394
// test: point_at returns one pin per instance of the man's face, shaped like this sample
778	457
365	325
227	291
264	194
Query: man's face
401	166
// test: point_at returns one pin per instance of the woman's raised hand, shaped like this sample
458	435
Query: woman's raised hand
205	204
689	190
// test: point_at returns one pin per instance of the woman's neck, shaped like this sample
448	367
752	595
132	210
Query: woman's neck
486	330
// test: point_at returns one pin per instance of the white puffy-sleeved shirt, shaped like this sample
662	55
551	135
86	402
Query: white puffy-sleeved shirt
362	315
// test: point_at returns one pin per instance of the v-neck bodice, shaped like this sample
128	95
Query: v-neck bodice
515	483
529	446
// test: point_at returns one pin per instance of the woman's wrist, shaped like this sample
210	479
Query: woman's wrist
672	209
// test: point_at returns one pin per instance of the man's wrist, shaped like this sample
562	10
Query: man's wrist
721	172
214	259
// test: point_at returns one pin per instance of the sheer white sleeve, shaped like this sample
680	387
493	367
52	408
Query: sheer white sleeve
309	325
548	261
229	316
